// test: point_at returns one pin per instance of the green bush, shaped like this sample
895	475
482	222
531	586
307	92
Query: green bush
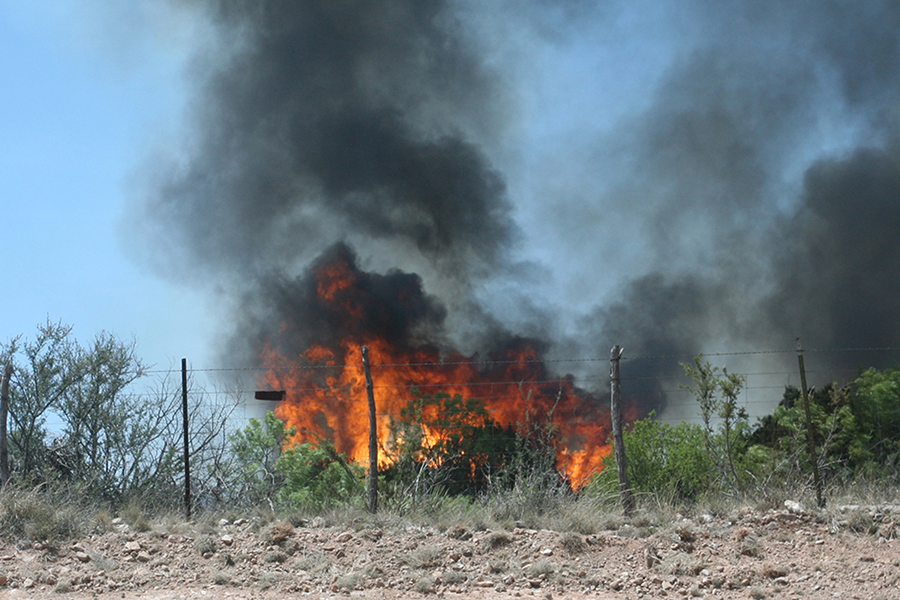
317	476
664	460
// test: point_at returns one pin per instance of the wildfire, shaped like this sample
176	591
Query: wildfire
325	382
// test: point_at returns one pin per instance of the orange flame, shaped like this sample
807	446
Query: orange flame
326	389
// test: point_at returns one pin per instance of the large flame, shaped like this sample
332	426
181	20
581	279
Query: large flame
326	389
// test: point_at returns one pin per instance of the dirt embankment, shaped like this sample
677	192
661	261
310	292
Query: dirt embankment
775	554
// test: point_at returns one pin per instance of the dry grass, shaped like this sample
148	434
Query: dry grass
423	557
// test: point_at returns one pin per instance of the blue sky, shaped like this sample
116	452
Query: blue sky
79	108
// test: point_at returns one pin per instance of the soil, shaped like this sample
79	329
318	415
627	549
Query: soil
792	552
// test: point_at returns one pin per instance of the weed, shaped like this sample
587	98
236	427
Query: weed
278	533
267	580
860	521
774	571
205	545
540	567
494	540
750	546
350	581
34	516
572	543
757	593
680	563
423	557
275	557
454	577
314	562
425	585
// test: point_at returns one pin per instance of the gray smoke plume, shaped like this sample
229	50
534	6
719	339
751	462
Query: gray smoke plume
712	176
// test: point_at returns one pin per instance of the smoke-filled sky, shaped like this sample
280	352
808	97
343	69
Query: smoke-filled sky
670	177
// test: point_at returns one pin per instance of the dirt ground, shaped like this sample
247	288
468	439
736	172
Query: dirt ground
851	553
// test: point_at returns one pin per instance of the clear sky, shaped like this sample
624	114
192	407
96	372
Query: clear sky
80	105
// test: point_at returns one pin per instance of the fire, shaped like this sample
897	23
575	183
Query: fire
325	381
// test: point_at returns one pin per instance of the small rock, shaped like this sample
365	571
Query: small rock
83	556
227	540
484	584
344	538
794	507
28	583
547	552
4	579
132	547
223	522
143	556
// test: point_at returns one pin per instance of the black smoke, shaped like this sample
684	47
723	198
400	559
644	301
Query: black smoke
748	196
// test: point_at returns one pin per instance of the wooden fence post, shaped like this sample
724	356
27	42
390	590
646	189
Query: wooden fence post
372	503
187	450
616	416
4	411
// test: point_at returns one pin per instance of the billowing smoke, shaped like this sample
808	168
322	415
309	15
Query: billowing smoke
726	178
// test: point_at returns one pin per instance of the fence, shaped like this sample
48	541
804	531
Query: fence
526	395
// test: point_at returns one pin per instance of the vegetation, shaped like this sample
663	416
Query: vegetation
120	451
855	429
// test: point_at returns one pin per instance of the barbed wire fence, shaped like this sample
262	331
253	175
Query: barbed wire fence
651	382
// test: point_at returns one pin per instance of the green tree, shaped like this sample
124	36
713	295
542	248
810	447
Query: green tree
43	372
108	430
256	450
725	424
875	403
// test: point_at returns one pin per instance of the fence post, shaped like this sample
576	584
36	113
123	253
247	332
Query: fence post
616	416
810	431
372	503
187	451
4	411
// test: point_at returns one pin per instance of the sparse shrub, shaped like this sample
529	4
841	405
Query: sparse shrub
425	585
572	543
314	562
267	580
497	565
757	593
774	571
278	533
454	577
860	521
35	516
750	546
540	567
205	545
494	540
133	514
423	557
276	556
680	563
349	581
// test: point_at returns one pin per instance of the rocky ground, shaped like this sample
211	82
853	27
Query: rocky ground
789	553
